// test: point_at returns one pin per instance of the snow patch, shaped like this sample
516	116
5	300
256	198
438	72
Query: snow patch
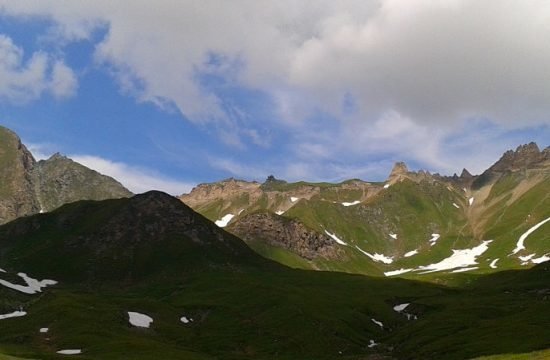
13	314
456	206
465	269
400	307
139	320
459	258
279	212
351	203
520	245
336	238
376	257
411	253
527	257
379	323
471	201
294	199
224	220
44	330
393	236
540	259
493	264
434	239
397	272
186	320
32	287
372	344
70	352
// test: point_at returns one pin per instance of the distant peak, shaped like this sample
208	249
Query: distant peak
465	174
400	168
531	147
58	156
273	180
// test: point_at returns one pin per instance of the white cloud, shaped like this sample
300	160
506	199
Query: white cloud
24	80
136	179
63	82
416	71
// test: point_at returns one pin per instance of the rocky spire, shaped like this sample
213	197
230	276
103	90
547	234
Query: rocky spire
400	168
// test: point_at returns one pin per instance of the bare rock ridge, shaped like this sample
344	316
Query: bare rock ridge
28	187
289	234
525	157
400	168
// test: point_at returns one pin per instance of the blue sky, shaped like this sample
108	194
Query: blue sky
173	93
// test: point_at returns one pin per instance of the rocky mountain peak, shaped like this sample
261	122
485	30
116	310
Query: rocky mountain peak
523	157
465	174
398	170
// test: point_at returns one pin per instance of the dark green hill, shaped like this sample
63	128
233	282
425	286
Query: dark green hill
151	234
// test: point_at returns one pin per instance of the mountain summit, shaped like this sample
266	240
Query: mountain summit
28	187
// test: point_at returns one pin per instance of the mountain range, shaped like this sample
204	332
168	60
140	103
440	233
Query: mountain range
414	223
422	266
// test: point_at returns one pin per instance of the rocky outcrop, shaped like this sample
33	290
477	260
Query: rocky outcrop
525	157
60	180
287	233
17	196
28	187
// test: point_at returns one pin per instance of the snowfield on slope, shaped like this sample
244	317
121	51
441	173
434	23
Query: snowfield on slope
459	259
13	314
411	253
351	203
379	323
434	239
336	238
224	220
139	319
521	242
376	257
32	286
70	352
463	260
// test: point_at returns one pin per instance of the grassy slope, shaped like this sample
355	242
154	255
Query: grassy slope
248	310
287	314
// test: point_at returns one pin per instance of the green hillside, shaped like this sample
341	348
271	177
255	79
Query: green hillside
153	255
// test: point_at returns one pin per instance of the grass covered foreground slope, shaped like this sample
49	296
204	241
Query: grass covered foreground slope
415	223
208	296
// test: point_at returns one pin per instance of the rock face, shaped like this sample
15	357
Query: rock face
28	187
59	180
399	169
287	233
525	157
17	196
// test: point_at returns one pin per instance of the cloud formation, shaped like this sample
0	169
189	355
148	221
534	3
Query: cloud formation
24	80
394	77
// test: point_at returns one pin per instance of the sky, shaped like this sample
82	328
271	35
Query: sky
168	94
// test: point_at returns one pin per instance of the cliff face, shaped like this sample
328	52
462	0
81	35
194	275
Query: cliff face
59	180
527	156
17	196
287	233
28	187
